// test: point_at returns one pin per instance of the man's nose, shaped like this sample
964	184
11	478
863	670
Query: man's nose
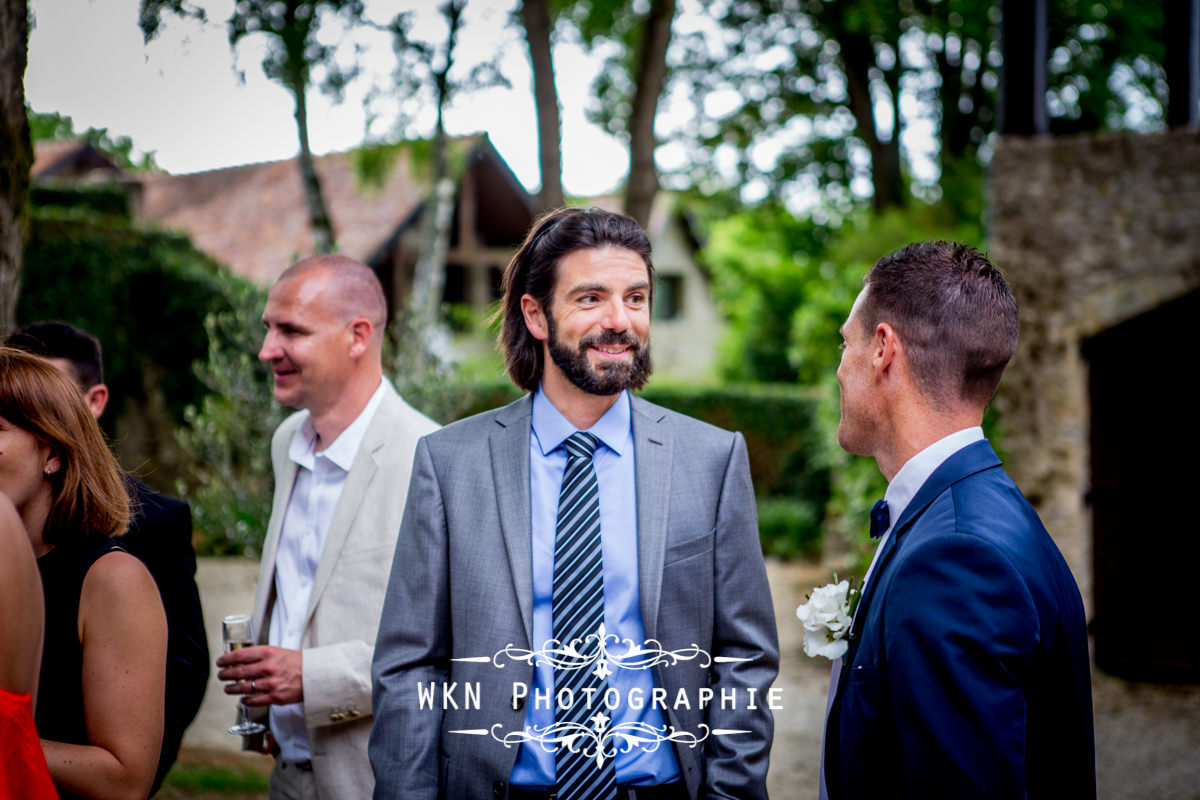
616	316
269	350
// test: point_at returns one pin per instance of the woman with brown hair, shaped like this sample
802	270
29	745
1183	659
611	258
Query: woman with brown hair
102	678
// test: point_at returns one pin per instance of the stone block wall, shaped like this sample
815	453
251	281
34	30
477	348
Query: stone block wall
1091	231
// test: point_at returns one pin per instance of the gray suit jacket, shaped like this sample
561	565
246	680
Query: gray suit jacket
348	589
462	587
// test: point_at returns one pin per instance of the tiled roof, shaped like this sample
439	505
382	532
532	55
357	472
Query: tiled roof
48	154
254	217
73	160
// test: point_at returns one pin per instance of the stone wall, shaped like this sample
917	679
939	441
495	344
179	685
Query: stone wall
1091	231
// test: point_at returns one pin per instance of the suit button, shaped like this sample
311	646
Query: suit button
336	716
498	788
352	714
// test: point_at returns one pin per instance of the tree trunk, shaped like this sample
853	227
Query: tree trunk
536	17
318	214
17	155
858	56
438	214
651	77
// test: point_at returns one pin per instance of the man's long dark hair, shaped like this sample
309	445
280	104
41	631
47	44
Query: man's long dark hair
534	271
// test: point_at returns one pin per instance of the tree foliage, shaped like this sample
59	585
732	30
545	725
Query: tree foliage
832	99
786	286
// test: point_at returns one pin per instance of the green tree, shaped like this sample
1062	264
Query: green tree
786	285
422	65
293	56
833	87
429	73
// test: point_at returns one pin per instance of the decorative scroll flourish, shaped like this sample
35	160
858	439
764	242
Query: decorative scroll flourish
599	741
580	653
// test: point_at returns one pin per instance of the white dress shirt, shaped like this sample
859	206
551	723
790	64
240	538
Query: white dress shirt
901	490
315	494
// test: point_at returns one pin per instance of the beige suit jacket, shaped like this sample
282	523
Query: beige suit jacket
348	589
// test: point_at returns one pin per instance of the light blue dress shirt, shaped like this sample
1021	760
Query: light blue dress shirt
614	463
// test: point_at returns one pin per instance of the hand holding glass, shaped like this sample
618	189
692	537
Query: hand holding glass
236	633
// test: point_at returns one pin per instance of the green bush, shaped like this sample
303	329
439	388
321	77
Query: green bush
103	199
144	294
779	424
227	435
789	528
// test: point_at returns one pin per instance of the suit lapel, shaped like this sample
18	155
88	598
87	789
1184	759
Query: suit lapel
652	450
285	477
354	491
973	458
509	448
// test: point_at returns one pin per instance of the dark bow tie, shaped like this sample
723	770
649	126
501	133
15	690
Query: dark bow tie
879	518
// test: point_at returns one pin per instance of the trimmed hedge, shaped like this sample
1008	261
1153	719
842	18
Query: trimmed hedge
102	199
144	295
777	421
782	440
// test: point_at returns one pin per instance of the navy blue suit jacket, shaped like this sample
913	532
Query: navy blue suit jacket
968	673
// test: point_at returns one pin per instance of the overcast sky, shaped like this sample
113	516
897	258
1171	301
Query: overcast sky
180	98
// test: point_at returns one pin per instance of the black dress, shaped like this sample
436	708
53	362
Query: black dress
160	534
59	716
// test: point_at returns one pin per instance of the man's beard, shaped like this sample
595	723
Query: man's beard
610	377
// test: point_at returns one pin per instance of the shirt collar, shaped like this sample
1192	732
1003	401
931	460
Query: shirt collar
344	448
916	470
551	428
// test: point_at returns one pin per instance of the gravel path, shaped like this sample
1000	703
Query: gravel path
1147	735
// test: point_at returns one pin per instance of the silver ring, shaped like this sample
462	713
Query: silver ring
252	689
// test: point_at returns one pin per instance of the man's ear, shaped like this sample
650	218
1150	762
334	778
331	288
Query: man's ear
97	399
886	349
361	331
535	318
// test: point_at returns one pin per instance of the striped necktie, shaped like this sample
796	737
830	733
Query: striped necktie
578	613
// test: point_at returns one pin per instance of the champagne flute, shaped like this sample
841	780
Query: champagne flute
236	633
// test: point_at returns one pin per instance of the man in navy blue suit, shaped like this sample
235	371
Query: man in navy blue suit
968	674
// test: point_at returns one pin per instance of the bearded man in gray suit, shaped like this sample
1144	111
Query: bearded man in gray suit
502	667
341	467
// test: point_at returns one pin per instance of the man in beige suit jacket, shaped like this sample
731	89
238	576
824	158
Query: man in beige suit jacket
342	466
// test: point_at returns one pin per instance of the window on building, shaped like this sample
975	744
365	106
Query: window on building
668	296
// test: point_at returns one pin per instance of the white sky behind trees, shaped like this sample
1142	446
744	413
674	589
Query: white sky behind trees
180	96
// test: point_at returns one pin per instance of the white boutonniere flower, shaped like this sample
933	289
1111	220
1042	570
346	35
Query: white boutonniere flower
826	618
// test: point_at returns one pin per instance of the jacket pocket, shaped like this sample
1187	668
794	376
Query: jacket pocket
691	547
